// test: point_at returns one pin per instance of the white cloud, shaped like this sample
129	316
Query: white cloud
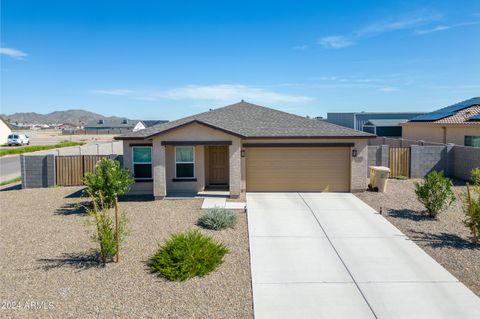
388	89
221	93
120	92
300	47
445	27
335	42
411	21
229	93
13	53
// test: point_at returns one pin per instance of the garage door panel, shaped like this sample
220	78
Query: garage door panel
298	169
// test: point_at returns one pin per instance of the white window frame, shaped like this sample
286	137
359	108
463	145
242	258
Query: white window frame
176	176
133	162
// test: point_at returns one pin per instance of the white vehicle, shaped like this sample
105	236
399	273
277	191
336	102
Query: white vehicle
18	139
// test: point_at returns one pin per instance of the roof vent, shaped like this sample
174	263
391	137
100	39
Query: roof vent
242	101
101	121
210	110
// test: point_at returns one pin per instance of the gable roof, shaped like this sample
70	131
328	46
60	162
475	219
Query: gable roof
149	123
453	114
111	123
385	122
249	120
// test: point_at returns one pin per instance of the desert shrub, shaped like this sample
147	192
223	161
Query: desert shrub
471	206
106	235
109	181
435	193
186	255
218	218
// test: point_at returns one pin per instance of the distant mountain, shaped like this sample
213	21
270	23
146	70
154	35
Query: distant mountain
69	116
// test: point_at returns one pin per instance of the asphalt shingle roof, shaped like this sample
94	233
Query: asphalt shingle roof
249	120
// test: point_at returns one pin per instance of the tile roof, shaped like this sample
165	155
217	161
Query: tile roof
453	114
462	116
249	120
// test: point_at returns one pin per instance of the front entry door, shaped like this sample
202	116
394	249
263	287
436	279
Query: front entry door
218	165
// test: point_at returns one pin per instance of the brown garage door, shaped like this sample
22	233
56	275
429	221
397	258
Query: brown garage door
284	169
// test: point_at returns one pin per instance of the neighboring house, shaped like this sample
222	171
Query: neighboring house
458	124
110	126
356	120
246	147
4	131
69	126
390	128
148	123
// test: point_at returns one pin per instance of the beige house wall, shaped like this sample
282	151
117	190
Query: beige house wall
358	168
164	160
440	134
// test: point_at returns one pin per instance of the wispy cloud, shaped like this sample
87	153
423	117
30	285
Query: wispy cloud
446	27
222	93
408	22
302	47
120	92
229	93
335	42
13	53
388	89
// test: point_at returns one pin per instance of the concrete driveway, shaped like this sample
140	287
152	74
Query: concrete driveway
330	255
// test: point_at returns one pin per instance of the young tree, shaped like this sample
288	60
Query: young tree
108	182
471	206
435	193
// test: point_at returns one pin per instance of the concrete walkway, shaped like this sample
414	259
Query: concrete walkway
330	255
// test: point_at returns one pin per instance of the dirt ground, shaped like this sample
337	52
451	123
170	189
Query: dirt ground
48	266
446	238
50	136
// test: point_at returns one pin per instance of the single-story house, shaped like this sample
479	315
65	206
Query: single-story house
246	147
110	126
384	127
141	125
4	131
458	124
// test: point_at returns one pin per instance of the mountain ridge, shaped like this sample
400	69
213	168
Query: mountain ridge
73	116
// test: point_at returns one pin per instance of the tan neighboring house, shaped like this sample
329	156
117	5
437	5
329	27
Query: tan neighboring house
246	147
4	131
458	124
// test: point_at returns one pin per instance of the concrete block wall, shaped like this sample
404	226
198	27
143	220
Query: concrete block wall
464	160
37	170
378	156
425	159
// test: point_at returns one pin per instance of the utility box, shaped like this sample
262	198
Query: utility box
378	178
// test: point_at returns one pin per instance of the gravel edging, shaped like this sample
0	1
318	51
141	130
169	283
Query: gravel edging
46	256
445	239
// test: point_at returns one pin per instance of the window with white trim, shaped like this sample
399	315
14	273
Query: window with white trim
142	162
184	162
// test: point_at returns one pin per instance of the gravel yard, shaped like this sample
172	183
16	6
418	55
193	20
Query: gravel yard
46	256
446	239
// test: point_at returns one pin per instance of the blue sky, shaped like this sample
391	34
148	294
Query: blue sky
168	59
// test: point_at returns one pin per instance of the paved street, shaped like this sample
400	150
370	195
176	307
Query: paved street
10	165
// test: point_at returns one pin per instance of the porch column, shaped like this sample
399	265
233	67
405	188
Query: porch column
159	176
235	168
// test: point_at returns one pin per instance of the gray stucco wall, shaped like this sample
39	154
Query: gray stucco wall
464	160
425	159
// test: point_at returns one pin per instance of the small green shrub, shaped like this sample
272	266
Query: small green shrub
471	206
435	193
186	255
218	218
109	181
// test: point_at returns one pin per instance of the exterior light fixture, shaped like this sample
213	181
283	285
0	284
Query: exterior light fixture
354	153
